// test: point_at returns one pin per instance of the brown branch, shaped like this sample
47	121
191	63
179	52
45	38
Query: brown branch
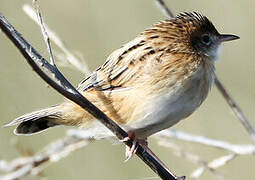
51	74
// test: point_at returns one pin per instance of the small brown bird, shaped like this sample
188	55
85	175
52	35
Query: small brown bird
147	85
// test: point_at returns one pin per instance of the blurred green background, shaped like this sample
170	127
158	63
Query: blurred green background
95	28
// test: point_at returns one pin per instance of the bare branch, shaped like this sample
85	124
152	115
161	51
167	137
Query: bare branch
33	165
212	166
235	108
164	8
72	59
44	32
248	149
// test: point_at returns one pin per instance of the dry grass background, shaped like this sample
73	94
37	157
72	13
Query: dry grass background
95	28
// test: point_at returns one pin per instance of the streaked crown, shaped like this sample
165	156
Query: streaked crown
190	33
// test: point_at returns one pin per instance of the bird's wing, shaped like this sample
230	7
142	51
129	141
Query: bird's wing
121	68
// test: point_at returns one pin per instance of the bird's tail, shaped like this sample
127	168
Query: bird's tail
36	121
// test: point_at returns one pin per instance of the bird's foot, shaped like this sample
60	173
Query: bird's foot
130	151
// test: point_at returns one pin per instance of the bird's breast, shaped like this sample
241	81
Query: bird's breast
169	107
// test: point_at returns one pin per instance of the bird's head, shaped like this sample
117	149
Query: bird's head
193	33
202	35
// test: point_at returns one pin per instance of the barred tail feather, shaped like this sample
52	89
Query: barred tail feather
36	121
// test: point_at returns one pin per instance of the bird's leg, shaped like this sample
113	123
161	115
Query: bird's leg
130	151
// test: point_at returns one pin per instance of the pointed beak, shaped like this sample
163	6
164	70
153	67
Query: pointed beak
228	37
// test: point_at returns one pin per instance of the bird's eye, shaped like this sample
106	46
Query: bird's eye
206	39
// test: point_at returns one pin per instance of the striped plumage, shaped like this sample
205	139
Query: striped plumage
148	84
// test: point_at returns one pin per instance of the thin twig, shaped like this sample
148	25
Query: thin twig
44	32
59	83
210	166
33	165
164	8
235	108
72	59
213	165
248	149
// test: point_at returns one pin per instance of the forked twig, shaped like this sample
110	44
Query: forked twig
44	32
213	165
70	57
205	165
59	83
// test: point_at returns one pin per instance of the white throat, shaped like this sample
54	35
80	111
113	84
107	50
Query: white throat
214	53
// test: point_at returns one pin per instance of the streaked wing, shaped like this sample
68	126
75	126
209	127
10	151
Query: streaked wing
121	68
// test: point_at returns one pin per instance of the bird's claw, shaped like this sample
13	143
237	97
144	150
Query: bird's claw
130	151
181	178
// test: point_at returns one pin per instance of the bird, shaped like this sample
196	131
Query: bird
147	85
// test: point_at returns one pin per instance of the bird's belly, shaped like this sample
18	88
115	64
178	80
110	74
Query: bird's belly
170	108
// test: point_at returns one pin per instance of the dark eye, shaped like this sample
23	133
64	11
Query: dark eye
206	39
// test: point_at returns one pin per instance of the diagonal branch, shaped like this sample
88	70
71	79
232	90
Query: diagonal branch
235	108
164	8
51	74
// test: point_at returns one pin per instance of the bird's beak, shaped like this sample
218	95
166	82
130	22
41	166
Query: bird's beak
227	37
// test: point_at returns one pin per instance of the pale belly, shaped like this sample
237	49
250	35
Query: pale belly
168	109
